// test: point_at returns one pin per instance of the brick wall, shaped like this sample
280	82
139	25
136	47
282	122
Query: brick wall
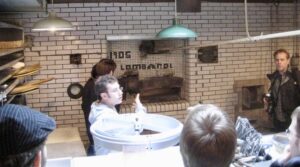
208	83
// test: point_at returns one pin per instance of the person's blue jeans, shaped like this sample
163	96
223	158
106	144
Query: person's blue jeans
91	150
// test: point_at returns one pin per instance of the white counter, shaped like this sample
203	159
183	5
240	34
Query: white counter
168	157
65	142
165	157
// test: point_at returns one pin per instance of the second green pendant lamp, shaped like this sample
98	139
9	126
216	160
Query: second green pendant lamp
176	30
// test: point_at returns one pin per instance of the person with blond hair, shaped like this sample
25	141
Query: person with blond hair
208	137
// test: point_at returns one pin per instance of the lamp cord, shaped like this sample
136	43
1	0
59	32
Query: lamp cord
295	48
272	40
246	19
297	23
176	9
52	6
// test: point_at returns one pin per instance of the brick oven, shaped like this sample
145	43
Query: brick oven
145	67
250	100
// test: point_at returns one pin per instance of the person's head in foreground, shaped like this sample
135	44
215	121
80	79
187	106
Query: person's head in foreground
291	155
108	90
23	132
208	137
294	133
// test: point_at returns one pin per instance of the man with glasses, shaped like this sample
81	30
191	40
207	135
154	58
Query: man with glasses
109	94
291	155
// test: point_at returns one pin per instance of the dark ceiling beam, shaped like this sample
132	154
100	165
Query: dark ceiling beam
108	1
251	1
147	1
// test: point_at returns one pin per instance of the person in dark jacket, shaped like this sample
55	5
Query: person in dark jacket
103	67
291	155
284	90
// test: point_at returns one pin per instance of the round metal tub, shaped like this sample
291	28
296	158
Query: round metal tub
125	132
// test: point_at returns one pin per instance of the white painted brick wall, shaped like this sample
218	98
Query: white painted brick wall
208	83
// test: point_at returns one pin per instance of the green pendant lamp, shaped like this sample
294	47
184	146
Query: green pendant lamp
176	30
52	23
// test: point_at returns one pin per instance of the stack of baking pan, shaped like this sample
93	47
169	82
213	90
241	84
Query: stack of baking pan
29	86
28	70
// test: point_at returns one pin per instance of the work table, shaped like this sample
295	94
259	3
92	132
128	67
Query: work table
65	142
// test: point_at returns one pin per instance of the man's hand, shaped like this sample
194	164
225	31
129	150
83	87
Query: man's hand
137	99
138	105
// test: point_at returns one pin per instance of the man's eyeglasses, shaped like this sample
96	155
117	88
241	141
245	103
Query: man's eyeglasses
295	133
117	89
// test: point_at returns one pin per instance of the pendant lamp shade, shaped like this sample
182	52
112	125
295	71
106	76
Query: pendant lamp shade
52	23
176	31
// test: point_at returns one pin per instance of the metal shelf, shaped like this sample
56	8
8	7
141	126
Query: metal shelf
7	101
12	85
2	80
7	25
9	57
10	99
4	52
11	63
